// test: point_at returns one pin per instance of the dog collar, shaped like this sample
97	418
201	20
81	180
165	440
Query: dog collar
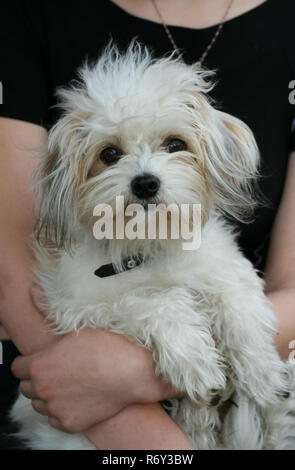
110	269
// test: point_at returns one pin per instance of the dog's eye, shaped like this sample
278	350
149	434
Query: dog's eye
174	145
110	155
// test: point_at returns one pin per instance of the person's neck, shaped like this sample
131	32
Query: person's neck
193	13
187	13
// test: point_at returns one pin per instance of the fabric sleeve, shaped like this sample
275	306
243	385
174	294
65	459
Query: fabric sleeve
23	79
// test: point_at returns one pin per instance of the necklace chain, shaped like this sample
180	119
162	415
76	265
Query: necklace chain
213	40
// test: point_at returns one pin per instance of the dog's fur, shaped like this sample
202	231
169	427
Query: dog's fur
202	313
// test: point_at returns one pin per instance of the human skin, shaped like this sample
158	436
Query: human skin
188	13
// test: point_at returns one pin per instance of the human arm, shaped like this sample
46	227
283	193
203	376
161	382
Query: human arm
61	397
21	320
141	420
3	333
280	267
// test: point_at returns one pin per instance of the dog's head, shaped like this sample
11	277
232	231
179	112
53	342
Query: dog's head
144	129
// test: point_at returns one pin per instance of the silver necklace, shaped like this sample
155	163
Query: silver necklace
213	40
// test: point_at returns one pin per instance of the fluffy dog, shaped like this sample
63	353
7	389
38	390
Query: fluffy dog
145	129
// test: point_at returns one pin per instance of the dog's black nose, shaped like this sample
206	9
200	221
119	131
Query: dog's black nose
145	186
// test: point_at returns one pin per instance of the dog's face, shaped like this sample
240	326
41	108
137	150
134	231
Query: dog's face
142	129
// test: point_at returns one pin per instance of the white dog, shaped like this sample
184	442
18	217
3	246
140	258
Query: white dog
145	129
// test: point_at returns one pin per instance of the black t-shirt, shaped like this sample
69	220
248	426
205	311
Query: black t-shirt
42	44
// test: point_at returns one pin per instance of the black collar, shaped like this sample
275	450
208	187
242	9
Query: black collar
110	269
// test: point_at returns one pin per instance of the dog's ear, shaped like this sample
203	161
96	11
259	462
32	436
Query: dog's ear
231	164
58	177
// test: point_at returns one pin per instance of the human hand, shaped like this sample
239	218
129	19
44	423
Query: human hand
86	378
